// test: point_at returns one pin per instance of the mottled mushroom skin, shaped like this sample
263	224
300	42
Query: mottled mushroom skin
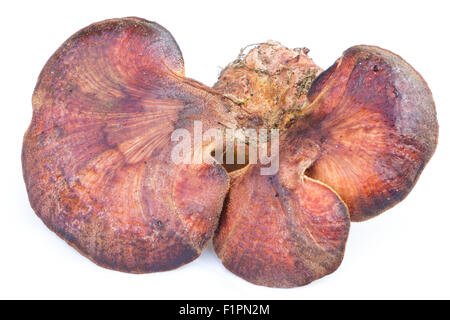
96	157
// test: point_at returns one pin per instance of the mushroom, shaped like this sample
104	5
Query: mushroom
97	155
353	144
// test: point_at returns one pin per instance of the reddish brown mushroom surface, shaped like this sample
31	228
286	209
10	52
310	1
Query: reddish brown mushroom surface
97	156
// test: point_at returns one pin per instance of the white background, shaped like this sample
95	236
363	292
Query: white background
403	253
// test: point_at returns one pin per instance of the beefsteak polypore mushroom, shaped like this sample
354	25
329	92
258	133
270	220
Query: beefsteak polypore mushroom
98	171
